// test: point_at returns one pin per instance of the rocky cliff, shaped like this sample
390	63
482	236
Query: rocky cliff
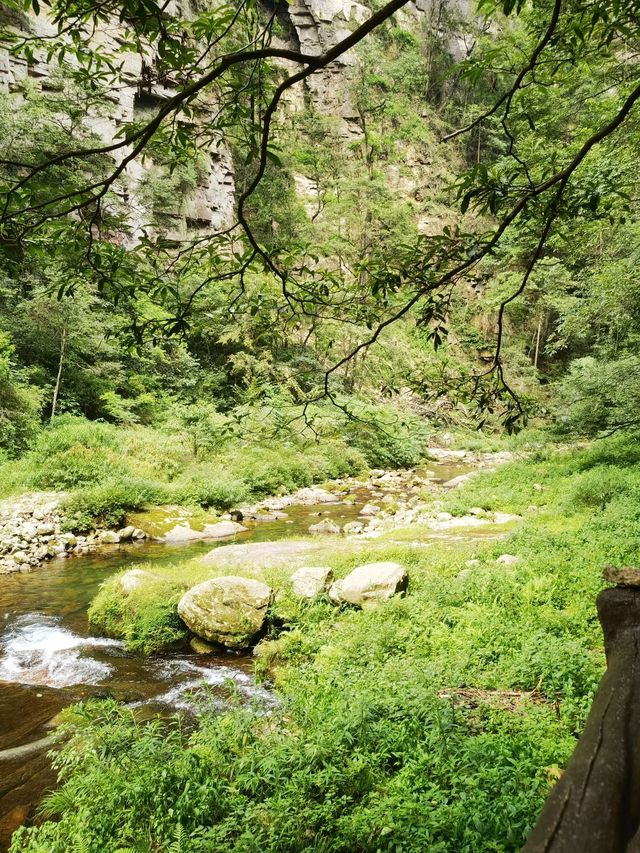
312	26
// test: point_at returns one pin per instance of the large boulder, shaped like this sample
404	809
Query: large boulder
460	480
311	581
229	610
370	584
183	532
285	553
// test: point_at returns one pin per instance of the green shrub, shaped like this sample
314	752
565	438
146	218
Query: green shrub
74	452
621	451
19	412
284	468
273	471
146	619
154	453
107	504
210	486
387	438
596	487
333	459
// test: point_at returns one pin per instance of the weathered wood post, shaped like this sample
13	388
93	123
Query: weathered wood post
595	807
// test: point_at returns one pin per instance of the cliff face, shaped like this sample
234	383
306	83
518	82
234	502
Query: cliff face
208	206
312	26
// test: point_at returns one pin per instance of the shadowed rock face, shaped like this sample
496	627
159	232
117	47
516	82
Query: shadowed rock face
595	807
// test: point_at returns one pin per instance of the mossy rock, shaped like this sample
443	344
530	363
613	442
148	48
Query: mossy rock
228	610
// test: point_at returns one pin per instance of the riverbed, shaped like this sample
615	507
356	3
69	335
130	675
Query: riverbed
49	659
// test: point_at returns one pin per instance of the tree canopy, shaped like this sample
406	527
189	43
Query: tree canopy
533	117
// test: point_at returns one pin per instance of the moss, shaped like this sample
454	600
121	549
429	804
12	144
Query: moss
145	617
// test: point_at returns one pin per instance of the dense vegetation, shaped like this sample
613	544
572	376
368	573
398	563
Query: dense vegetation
131	333
383	283
437	721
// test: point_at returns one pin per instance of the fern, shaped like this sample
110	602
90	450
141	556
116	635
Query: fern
55	803
180	840
81	845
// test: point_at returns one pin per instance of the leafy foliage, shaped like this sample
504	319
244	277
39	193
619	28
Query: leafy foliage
464	700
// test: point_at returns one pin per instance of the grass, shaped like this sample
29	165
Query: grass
109	471
435	722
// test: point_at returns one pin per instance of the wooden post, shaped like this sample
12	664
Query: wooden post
595	807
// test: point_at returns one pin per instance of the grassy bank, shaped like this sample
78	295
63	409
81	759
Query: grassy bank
436	722
109	470
215	461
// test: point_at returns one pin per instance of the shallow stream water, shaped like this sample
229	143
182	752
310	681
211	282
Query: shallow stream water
49	659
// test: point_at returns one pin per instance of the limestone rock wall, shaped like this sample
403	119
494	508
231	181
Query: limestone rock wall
314	26
320	24
209	206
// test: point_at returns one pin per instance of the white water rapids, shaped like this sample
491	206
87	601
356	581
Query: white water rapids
38	650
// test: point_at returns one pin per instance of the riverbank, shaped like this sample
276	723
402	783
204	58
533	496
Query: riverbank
48	661
39	526
437	720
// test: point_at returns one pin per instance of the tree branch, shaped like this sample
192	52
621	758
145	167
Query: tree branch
517	83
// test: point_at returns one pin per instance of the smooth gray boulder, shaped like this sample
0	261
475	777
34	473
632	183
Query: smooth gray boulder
229	610
352	528
508	559
183	532
460	480
126	533
311	581
369	510
222	529
325	526
107	537
368	585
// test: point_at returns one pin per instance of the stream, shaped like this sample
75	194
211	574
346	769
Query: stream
49	659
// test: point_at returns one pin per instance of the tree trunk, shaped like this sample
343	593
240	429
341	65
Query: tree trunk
56	390
535	360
